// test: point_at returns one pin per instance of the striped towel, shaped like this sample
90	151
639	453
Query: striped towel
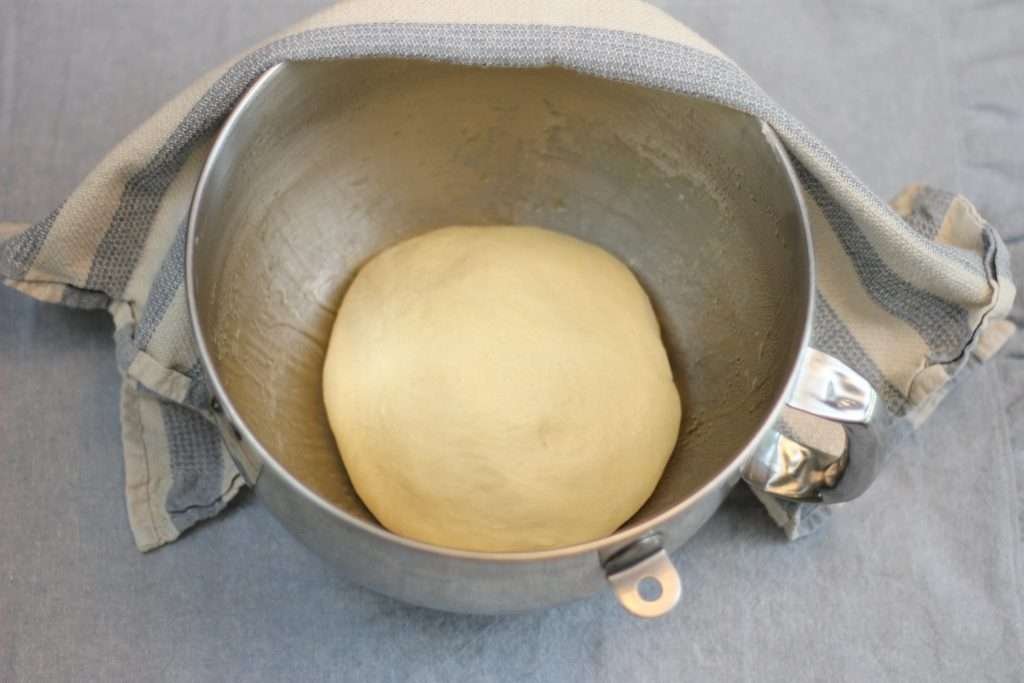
908	294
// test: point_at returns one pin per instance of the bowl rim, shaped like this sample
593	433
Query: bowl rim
618	539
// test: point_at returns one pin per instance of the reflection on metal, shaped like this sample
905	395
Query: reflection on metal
827	388
791	470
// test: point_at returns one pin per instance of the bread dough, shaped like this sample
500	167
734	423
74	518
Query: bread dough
500	389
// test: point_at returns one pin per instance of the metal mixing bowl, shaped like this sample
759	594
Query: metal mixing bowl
322	165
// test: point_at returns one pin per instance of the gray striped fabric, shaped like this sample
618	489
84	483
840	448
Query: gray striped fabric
908	295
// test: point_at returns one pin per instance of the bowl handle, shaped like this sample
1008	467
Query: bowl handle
828	388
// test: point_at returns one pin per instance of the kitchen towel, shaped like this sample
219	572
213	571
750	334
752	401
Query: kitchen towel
908	295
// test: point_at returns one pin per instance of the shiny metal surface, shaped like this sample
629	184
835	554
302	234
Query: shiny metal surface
323	164
656	570
788	469
825	387
828	388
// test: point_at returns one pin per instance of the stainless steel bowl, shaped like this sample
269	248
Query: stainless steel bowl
321	165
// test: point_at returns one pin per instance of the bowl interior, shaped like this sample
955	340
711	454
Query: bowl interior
331	162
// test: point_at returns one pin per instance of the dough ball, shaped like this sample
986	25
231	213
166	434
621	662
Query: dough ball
500	389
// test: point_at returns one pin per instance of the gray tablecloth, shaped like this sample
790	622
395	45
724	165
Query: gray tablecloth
919	580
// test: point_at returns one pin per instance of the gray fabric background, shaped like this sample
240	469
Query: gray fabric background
919	580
